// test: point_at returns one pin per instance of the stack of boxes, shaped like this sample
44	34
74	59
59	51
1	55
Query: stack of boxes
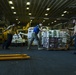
54	39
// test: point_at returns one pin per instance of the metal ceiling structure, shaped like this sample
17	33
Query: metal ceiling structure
37	8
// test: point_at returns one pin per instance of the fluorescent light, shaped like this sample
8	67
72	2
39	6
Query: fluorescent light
46	18
55	21
65	12
48	23
58	18
10	2
28	3
43	20
31	20
62	15
32	17
27	8
14	12
48	9
46	14
52	22
16	19
12	7
29	13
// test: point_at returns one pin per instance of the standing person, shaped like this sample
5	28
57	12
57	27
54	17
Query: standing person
10	32
35	36
74	37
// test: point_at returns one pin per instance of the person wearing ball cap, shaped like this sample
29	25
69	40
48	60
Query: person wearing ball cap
36	30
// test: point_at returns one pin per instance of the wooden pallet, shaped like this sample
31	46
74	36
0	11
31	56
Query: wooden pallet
61	48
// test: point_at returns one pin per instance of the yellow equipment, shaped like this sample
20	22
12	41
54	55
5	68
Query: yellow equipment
13	56
1	35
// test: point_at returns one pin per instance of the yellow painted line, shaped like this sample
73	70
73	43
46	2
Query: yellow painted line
14	58
12	55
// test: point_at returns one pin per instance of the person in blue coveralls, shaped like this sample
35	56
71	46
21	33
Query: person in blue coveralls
36	30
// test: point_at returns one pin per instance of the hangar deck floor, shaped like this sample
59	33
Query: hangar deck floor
42	62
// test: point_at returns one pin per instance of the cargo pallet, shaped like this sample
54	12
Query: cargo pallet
56	48
61	48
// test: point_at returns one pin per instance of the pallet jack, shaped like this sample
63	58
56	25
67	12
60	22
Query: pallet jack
13	56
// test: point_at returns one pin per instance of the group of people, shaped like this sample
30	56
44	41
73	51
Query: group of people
36	30
11	31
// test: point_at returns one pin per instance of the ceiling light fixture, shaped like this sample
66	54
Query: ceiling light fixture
52	22
28	3
27	8
62	15
29	13
65	12
55	21
31	20
14	12
12	7
48	23
10	2
43	20
48	9
16	19
32	17
46	18
46	14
